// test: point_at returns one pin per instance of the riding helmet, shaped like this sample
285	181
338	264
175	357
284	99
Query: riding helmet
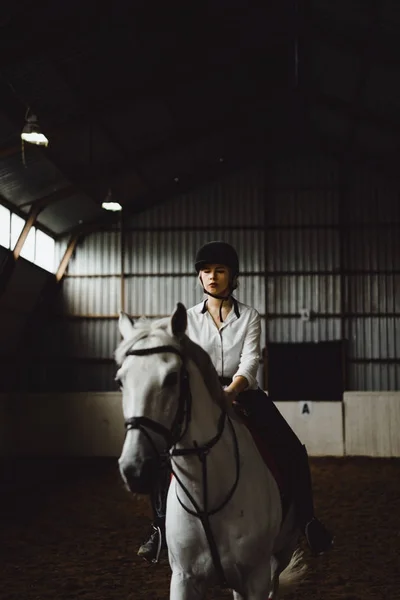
220	253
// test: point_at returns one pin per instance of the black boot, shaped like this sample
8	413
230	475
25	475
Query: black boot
151	549
319	539
292	461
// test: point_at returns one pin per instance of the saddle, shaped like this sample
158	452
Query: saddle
268	456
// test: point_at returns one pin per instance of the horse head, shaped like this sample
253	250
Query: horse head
155	394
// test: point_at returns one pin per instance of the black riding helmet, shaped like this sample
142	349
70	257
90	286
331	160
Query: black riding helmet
220	253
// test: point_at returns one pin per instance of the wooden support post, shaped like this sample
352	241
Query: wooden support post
67	256
33	214
37	206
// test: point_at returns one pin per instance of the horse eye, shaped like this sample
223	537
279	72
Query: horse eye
171	379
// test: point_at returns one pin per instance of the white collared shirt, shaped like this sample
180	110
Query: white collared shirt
234	349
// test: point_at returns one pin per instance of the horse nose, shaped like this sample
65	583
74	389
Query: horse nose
137	477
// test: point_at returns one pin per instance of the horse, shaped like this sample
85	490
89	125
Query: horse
224	522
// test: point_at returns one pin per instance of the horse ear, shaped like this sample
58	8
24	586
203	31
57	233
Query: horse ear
179	321
125	324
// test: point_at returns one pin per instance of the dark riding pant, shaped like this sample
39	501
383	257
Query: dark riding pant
289	454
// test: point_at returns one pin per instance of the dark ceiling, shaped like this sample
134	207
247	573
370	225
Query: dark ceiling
149	99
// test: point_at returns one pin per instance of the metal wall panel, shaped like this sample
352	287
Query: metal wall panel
374	377
315	246
285	330
369	294
372	261
251	291
375	249
85	338
91	296
287	294
60	247
168	252
303	250
158	295
98	254
236	200
375	338
303	253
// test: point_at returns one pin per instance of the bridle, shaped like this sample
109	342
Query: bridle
182	417
175	434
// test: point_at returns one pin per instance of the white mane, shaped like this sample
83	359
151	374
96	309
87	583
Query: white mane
145	328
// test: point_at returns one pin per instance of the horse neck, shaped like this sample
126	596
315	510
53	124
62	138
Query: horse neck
203	427
205	412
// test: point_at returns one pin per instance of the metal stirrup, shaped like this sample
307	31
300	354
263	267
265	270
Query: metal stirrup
157	556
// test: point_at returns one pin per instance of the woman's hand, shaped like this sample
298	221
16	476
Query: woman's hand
232	391
230	395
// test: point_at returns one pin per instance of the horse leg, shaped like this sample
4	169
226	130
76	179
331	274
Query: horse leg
259	585
185	587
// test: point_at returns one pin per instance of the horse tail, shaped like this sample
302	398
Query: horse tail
292	574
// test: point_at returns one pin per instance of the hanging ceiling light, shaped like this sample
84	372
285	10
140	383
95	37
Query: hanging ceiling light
108	203
31	132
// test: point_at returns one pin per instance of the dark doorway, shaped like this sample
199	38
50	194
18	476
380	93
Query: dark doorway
305	371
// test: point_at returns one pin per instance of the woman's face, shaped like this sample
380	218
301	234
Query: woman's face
215	279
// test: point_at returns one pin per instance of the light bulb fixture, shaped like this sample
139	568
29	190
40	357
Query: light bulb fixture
113	206
31	132
108	203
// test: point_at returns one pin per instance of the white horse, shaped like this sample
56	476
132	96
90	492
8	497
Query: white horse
224	515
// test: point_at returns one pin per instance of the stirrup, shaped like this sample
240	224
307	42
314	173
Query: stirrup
154	547
159	545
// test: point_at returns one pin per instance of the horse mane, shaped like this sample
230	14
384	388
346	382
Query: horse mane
144	328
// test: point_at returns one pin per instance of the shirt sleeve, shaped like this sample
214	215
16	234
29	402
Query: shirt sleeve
251	350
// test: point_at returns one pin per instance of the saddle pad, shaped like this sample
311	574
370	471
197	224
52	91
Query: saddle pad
266	455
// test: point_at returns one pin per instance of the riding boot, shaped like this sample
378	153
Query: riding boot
151	549
318	537
291	459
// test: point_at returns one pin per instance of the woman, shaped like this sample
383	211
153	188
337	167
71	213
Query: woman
229	331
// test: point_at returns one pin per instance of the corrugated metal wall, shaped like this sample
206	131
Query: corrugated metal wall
372	255
303	241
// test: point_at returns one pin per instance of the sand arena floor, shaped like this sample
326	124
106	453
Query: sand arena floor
69	529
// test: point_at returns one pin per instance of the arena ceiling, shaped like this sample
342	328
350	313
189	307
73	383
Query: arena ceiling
150	99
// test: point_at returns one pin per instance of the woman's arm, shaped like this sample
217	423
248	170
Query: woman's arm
246	375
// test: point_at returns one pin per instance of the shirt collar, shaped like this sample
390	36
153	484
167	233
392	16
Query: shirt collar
203	307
